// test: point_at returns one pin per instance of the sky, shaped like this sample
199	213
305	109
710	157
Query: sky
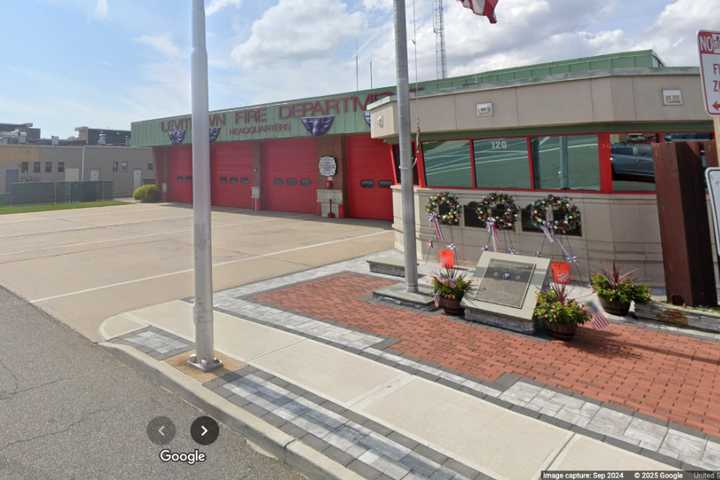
107	63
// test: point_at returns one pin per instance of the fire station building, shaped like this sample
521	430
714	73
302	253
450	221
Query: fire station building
580	128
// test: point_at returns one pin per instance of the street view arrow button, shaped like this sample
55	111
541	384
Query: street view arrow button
204	430
161	430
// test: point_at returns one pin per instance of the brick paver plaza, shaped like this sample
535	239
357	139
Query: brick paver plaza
669	376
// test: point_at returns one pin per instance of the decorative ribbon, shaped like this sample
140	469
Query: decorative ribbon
551	237
435	221
492	231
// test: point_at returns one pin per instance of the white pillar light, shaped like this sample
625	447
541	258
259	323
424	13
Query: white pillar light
204	357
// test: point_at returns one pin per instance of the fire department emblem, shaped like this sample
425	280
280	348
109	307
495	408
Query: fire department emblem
367	117
318	126
214	134
177	136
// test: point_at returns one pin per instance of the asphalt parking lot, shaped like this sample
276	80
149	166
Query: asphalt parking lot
83	266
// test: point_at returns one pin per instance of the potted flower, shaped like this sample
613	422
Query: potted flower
449	287
559	313
617	291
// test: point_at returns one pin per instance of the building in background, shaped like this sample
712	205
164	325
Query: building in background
99	136
18	133
126	168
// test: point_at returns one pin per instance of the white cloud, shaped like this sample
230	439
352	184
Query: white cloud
102	9
673	35
378	4
298	30
162	43
216	5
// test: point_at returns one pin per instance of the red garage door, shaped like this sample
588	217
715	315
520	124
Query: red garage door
180	174
369	178
290	173
232	165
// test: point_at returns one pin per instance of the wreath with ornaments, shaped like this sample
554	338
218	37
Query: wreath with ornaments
565	218
500	208
446	206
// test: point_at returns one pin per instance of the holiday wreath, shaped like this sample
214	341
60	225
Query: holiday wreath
565	216
446	207
499	207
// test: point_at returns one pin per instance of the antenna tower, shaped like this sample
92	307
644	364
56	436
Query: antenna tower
439	30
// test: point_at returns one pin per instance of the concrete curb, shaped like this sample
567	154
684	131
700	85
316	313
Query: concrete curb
272	440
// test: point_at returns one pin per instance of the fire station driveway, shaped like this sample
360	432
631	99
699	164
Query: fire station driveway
83	266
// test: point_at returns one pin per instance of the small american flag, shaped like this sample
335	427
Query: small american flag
598	319
486	8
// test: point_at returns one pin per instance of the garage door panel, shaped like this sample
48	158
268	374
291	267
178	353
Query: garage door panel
180	174
289	171
369	178
232	166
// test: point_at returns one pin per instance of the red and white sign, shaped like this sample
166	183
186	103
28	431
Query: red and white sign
709	46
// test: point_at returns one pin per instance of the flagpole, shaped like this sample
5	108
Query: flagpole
406	169
204	357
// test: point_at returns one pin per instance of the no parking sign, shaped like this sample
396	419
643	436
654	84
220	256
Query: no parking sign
709	48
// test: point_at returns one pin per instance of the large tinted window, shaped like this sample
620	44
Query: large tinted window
570	162
631	157
447	164
502	163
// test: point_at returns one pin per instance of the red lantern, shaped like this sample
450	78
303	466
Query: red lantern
560	272
447	257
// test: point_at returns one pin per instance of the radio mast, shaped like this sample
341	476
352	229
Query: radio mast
439	30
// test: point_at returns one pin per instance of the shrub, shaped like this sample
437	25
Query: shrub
619	287
449	283
555	307
147	194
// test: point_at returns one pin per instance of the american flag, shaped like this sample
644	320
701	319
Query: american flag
598	319
485	8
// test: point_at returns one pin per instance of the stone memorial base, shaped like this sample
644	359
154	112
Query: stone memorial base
398	294
501	321
504	291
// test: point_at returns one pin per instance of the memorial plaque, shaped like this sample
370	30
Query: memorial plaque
504	292
504	283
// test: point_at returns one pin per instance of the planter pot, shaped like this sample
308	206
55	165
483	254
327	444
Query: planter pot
450	306
561	331
615	308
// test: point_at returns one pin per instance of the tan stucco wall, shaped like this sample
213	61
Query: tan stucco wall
623	228
96	157
611	99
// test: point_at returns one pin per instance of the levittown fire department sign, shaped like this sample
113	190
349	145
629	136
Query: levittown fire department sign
709	46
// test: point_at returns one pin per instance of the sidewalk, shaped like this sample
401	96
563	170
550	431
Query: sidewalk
388	392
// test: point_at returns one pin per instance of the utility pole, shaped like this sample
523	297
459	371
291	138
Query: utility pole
204	358
371	74
406	167
357	73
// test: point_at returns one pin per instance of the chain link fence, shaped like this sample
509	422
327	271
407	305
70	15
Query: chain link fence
57	192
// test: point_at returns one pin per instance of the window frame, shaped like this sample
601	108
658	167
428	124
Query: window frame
604	165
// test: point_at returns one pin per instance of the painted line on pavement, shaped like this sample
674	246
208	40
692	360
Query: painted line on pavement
133	237
219	264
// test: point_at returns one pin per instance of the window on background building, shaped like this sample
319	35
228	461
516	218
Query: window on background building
24	167
124	166
48	167
151	166
502	163
447	164
37	167
61	167
631	157
116	166
566	163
